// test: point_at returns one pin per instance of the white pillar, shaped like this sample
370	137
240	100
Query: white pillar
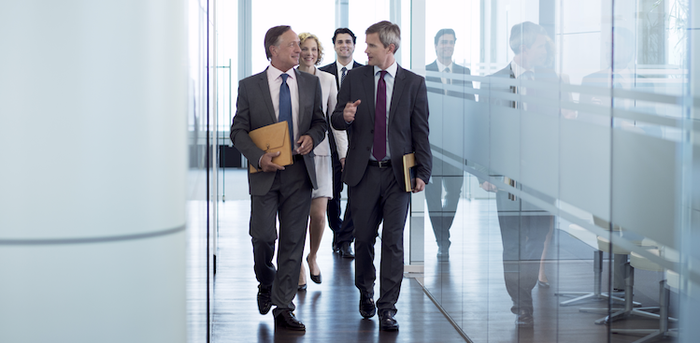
92	178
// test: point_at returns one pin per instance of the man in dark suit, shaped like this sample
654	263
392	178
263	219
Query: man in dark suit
445	175
381	132
524	227
344	44
280	93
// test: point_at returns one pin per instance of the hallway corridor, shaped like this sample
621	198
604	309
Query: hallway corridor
329	310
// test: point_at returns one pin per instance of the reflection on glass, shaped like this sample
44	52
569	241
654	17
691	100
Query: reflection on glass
449	176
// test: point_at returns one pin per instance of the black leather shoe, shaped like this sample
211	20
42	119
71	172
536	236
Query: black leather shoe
387	322
367	308
287	320
264	298
301	287
345	250
524	319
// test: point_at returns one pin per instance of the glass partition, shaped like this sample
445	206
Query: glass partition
563	199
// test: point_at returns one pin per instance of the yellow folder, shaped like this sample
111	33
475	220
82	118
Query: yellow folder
409	171
273	138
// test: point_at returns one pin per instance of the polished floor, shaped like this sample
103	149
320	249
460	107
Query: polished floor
469	288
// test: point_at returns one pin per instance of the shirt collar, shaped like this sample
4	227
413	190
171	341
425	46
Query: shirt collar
441	67
391	70
340	66
274	73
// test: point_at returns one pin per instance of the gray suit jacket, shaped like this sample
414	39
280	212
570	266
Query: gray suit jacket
408	123
255	110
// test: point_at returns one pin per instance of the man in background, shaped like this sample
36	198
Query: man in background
344	44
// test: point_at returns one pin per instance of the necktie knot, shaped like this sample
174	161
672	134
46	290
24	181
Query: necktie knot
382	73
284	78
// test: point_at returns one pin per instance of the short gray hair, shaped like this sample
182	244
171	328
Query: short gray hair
389	33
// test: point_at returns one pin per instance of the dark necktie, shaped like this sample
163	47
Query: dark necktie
286	107
380	119
342	76
448	80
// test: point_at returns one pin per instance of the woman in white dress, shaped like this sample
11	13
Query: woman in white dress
311	54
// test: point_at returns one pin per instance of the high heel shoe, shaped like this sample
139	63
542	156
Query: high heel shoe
314	278
542	284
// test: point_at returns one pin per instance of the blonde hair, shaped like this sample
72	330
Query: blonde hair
304	36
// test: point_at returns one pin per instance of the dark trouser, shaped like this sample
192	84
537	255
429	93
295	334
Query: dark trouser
523	241
378	197
342	228
290	199
442	213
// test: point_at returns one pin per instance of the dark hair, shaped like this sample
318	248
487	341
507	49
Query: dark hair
444	32
525	34
272	37
344	30
389	33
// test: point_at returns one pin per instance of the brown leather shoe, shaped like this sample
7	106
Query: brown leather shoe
287	320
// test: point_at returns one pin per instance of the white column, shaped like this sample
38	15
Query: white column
92	181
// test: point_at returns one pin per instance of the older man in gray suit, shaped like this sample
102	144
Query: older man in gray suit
280	93
385	110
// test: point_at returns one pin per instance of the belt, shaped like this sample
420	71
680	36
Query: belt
298	157
380	164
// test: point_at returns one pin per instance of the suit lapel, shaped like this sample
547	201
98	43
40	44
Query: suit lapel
368	86
396	93
267	97
304	93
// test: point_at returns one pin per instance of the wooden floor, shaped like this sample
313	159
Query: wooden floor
469	288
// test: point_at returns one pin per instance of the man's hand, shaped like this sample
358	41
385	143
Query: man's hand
306	144
342	164
266	162
489	187
420	185
350	110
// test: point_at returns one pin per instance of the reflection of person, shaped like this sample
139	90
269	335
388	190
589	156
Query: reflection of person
523	227
381	132
445	40
279	93
311	54
442	213
344	44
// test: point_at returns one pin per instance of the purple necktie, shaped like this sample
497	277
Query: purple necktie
380	120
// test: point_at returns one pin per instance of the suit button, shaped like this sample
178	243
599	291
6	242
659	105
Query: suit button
367	149
371	131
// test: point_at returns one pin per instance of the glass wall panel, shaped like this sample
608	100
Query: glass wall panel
564	187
